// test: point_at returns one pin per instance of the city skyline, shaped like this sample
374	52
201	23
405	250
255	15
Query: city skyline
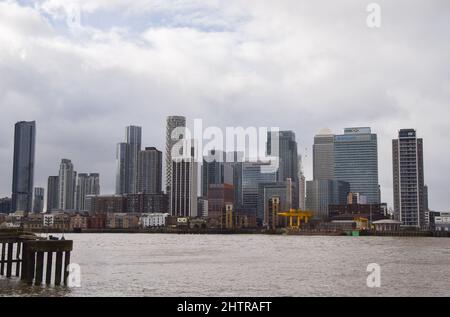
86	95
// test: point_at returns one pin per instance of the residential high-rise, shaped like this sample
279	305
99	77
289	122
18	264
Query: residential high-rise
87	184
52	193
323	155
320	194
38	201
409	186
126	156
134	141
23	166
121	168
287	153
66	185
183	189
173	122
150	171
356	162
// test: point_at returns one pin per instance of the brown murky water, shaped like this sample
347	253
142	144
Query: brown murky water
250	265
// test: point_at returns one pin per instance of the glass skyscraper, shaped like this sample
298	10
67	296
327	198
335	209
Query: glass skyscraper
23	166
356	162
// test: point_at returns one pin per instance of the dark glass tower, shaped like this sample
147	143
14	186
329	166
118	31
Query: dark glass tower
23	166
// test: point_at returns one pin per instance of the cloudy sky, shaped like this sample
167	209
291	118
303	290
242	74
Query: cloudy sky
300	65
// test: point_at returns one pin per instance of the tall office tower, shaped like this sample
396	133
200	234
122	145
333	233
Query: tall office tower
323	155
52	193
134	141
23	166
38	202
121	169
322	193
356	162
409	191
150	171
126	157
301	185
88	184
183	189
66	185
287	153
173	122
253	174
215	170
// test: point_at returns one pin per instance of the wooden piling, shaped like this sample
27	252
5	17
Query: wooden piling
48	272
58	268
2	265
9	259
27	253
39	268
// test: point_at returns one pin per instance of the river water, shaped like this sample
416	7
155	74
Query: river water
250	265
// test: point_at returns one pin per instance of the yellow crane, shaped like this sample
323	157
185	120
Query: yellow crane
299	215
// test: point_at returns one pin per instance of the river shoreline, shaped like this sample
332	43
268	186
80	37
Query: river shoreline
435	234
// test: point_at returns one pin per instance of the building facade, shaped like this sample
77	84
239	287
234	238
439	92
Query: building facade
323	155
52	193
356	162
409	186
38	201
87	184
127	161
287	154
322	193
23	166
174	132
66	185
149	171
183	188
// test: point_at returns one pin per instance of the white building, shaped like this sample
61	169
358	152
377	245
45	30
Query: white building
153	220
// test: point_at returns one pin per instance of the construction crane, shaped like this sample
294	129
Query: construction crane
299	215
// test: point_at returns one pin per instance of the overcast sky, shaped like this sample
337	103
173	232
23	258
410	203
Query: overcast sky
299	65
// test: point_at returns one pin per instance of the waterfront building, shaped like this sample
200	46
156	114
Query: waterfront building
38	201
151	220
322	193
202	206
408	176
219	195
285	192
66	185
122	221
150	171
23	166
88	184
103	204
357	207
147	203
356	162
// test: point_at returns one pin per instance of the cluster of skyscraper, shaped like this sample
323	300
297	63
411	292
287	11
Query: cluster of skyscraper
342	164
